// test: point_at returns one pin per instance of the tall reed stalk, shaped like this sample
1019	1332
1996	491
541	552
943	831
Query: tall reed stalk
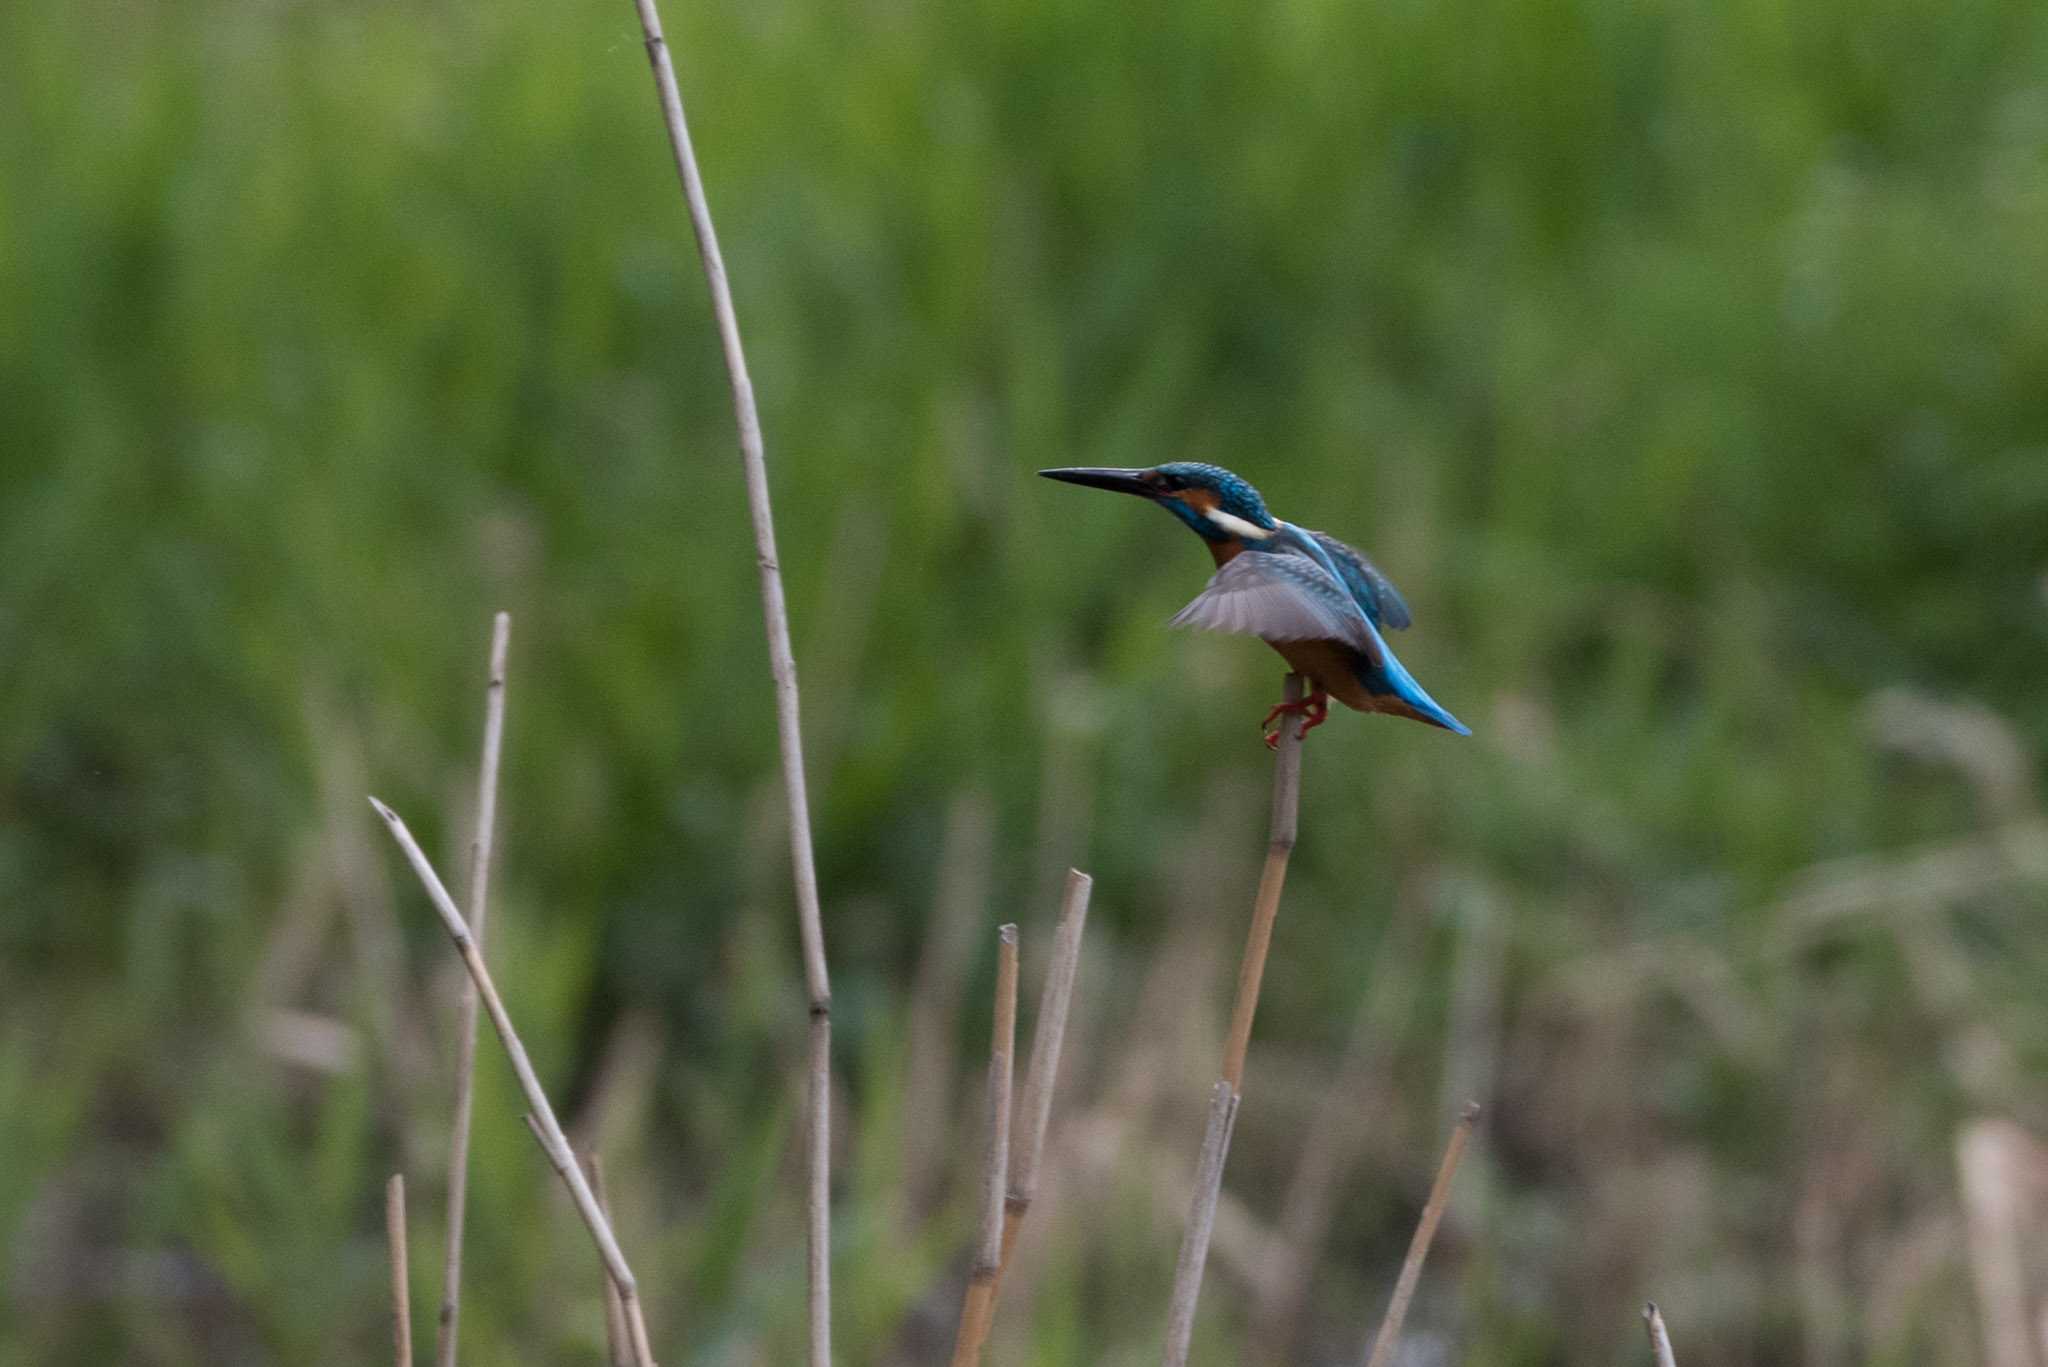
465	1039
782	663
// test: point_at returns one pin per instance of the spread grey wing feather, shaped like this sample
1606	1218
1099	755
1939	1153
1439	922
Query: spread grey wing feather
1280	597
1375	592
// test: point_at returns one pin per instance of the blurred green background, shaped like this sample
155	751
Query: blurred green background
1685	364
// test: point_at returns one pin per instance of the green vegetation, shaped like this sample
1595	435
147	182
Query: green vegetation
1687	366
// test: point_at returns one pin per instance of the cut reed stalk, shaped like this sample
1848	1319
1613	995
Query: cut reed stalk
1660	1338
401	1279
977	1308
1425	1233
465	1036
545	1127
1042	1075
1194	1250
782	663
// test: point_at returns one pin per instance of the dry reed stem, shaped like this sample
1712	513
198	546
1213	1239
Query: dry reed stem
1660	1339
401	1284
1042	1075
1194	1246
1272	878
465	1030
545	1127
977	1308
1425	1233
1194	1249
617	1338
782	663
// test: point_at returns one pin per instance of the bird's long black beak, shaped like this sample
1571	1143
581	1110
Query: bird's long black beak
1121	481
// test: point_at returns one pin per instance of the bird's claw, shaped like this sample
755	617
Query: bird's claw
1282	709
1313	710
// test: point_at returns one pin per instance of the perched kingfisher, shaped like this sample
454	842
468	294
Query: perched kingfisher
1317	601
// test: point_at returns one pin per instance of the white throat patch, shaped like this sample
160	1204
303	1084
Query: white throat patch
1231	522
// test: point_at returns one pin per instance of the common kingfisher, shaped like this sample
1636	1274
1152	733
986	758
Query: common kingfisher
1317	601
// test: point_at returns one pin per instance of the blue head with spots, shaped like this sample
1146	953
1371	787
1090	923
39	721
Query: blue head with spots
1216	504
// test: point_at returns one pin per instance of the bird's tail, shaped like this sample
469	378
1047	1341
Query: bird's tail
1394	690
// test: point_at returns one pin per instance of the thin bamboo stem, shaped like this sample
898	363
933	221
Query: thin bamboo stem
1425	1233
1042	1075
546	1128
465	1036
782	664
977	1309
1194	1250
401	1280
1660	1338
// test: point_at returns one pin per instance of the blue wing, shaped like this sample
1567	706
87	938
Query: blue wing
1282	597
1290	594
1373	590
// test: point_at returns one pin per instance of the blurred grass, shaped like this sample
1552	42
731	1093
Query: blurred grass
1684	365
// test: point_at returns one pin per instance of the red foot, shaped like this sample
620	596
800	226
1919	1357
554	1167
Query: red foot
1313	710
1281	709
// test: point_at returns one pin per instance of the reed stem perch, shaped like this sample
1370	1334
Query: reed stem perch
465	1030
1194	1250
1266	907
545	1127
1425	1234
782	664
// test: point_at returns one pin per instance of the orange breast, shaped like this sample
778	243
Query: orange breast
1332	667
